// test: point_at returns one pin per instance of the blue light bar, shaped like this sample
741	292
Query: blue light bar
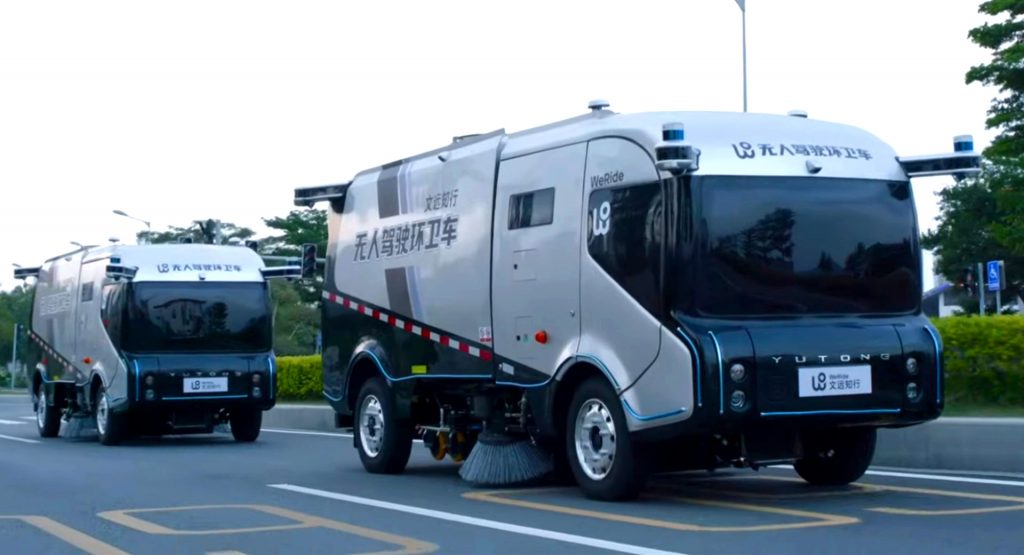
963	143
673	132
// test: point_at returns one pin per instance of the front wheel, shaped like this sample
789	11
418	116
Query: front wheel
109	426
836	457
246	424
604	460
47	415
384	441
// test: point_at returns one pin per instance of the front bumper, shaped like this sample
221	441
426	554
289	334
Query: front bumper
212	382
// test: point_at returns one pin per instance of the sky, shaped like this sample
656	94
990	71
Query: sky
186	110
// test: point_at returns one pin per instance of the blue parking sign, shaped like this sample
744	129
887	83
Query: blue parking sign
993	274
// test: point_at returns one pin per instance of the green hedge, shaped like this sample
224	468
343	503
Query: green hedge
984	360
299	378
984	364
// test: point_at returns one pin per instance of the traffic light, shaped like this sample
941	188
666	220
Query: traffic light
968	281
308	260
254	245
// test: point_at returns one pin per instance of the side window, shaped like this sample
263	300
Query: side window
87	292
624	237
531	209
112	311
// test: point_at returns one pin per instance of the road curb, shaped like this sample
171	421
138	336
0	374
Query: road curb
949	443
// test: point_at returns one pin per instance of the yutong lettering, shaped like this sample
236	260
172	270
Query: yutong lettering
745	150
407	238
865	357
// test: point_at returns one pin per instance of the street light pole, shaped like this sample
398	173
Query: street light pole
149	231
744	60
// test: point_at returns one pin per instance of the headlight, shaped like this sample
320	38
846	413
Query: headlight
256	378
150	379
737	372
257	392
912	366
913	392
150	395
738	400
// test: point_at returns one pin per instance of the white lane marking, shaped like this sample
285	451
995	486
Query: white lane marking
961	479
22	440
969	473
917	476
27	417
2	421
481	522
307	433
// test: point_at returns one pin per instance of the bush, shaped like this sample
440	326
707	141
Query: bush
299	378
984	360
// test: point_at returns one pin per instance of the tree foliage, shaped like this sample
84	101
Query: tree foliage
200	231
1006	72
299	227
975	223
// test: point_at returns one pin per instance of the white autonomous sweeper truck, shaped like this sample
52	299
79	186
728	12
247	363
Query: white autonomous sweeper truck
153	339
635	293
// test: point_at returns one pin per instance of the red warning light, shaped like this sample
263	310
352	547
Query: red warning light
541	337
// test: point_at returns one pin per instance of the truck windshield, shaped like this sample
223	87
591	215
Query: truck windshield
784	246
198	317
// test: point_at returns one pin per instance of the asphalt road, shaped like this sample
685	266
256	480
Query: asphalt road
306	492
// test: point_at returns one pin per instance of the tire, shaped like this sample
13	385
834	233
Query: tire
836	457
246	424
384	442
596	426
47	415
109	426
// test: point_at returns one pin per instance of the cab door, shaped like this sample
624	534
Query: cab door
536	263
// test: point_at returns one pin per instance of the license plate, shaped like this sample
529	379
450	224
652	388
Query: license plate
828	381
205	385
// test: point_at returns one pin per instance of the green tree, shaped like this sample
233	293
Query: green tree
228	232
15	308
1005	71
974	225
299	227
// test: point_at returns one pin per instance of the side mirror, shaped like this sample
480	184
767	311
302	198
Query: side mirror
308	260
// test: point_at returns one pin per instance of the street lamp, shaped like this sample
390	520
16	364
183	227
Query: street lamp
148	229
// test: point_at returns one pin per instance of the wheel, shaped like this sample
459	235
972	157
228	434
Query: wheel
109	426
836	457
245	424
605	462
47	416
384	442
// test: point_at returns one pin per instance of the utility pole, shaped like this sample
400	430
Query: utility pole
981	289
743	9
14	353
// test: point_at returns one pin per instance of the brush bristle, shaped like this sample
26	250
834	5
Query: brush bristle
500	461
78	428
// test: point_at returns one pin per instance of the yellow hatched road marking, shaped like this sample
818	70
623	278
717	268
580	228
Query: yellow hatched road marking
302	521
816	519
69	535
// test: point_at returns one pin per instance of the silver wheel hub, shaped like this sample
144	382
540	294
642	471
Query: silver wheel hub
371	426
41	409
102	413
595	439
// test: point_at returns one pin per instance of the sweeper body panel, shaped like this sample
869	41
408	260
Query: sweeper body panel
713	288
154	339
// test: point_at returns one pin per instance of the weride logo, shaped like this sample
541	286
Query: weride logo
608	178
